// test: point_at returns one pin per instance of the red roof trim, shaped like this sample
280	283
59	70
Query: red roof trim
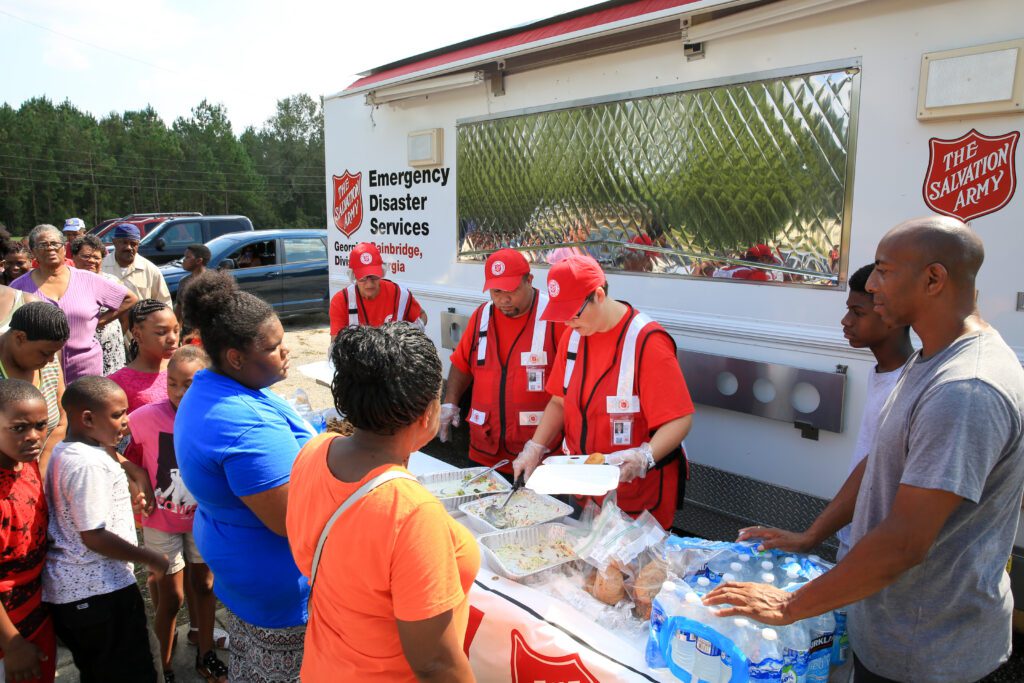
559	28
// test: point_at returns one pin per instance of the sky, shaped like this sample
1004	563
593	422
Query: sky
117	55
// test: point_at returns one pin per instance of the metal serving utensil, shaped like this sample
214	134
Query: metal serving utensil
490	469
494	515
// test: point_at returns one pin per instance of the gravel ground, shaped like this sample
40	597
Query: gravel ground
307	338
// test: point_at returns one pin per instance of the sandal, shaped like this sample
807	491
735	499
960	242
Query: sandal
212	669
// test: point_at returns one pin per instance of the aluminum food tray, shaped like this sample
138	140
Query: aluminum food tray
452	503
474	509
526	536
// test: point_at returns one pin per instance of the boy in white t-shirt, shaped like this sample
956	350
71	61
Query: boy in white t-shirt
88	580
863	327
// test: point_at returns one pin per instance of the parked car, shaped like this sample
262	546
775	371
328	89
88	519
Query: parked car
143	221
285	268
167	241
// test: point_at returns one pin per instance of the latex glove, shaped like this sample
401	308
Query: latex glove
449	418
632	462
527	461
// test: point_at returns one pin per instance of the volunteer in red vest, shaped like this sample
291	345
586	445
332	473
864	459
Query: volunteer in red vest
506	353
616	388
372	300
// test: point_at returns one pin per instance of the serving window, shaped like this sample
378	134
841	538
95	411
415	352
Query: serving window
746	180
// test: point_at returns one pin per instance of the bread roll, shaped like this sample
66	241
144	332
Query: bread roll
609	587
595	459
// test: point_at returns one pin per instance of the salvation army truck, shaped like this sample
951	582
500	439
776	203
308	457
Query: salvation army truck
730	164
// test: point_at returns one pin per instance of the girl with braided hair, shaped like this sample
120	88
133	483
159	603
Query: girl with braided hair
154	333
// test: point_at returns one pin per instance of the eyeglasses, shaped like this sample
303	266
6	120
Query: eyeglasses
368	279
583	307
49	246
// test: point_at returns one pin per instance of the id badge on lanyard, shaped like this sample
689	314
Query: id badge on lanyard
621	411
533	364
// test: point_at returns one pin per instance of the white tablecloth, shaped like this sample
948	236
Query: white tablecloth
521	635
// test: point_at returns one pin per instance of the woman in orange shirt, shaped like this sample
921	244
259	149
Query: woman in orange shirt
389	602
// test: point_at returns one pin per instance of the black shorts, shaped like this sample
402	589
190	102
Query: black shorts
107	636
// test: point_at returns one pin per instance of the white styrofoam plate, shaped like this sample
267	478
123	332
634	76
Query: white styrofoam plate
592	480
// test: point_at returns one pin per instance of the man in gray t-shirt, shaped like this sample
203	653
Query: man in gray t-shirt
934	506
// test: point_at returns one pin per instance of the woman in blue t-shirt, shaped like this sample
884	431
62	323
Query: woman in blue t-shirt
235	442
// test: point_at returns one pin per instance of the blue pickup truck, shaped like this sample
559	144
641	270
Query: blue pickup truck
285	268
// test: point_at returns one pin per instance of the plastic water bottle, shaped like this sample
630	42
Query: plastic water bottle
795	640
841	639
684	644
665	604
707	662
766	658
822	630
740	631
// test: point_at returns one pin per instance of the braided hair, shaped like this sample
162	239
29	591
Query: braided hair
385	377
41	321
226	317
137	315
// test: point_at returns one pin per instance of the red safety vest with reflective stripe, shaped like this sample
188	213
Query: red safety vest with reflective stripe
588	418
357	313
504	413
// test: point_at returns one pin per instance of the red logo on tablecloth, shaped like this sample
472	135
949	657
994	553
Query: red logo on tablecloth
472	626
971	176
348	202
529	666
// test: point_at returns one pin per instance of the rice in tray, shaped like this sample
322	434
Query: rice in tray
528	558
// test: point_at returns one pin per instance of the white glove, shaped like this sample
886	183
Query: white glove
449	418
632	462
527	461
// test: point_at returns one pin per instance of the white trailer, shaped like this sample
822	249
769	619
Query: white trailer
666	137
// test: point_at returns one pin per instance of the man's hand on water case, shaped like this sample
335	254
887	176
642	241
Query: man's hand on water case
759	601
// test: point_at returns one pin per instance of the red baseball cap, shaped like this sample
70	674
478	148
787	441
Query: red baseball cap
504	270
759	251
570	282
365	260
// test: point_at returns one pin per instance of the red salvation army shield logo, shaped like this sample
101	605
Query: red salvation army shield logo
971	176
348	202
529	666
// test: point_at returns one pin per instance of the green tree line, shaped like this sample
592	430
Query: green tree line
57	161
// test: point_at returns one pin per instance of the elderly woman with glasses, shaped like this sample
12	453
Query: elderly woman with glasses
88	300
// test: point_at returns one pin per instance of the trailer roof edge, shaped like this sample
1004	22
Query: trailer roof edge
606	18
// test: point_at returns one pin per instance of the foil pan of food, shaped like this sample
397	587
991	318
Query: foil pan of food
453	488
525	508
519	553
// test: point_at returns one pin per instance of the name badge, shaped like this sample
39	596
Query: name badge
530	419
620	405
477	417
528	358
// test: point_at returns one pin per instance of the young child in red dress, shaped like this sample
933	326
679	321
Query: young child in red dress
26	632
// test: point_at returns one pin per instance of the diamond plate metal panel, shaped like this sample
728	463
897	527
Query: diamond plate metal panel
682	183
719	503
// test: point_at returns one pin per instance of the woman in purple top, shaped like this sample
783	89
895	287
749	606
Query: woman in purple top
80	294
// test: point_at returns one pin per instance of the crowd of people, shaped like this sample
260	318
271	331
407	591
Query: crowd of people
333	563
